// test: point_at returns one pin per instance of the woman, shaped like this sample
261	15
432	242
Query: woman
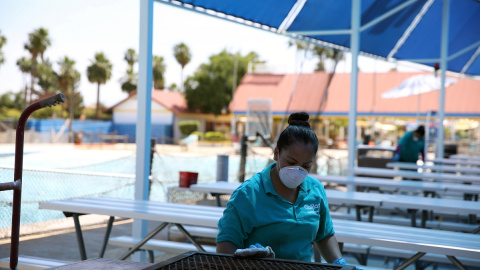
282	208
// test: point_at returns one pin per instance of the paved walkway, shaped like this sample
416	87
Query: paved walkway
62	245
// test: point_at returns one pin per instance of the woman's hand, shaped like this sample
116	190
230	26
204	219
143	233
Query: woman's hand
255	251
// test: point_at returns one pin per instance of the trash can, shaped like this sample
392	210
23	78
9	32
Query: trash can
374	156
450	149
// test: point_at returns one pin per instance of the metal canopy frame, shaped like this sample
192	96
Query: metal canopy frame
145	61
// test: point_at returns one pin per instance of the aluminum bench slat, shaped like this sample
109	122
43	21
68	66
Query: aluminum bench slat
158	245
33	263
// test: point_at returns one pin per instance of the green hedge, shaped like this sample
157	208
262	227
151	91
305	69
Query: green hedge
214	136
201	135
188	127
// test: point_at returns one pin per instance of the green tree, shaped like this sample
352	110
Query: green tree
25	66
47	77
38	42
183	55
158	72
3	41
11	105
129	82
99	72
68	81
210	88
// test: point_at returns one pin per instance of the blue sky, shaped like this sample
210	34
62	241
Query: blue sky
79	29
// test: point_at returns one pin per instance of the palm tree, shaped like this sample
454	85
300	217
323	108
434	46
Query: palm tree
131	57
47	77
129	82
158	71
38	42
67	78
100	71
25	66
183	56
3	41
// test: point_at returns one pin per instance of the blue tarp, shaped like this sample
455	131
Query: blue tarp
412	31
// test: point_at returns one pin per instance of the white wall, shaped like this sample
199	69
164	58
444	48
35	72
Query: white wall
126	113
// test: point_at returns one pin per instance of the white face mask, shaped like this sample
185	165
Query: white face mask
415	139
292	176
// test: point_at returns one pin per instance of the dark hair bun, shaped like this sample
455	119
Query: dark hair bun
299	119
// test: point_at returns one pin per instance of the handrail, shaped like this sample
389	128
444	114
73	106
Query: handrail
16	185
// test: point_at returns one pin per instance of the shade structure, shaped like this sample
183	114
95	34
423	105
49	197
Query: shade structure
429	32
408	30
417	85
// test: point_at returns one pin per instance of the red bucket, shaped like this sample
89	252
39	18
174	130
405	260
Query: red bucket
187	179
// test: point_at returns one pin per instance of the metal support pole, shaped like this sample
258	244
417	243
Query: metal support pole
352	113
243	158
443	67
144	111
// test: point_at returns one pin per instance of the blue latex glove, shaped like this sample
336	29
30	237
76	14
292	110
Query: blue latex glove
341	261
255	251
396	157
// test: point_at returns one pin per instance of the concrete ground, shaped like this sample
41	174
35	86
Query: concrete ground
62	245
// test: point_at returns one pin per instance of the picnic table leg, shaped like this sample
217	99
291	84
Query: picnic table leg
411	260
358	209
217	197
189	237
78	231
424	218
144	240
413	217
472	219
456	262
106	237
370	214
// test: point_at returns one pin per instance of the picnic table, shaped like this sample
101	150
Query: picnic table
465	157
459	162
359	200
437	168
419	240
414	175
372	200
395	186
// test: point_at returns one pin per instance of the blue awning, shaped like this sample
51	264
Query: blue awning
395	29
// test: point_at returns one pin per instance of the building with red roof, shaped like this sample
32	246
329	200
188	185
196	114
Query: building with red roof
293	92
168	109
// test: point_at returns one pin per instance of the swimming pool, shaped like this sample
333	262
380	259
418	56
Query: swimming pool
72	173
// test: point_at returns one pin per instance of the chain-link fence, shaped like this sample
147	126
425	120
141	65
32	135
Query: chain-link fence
112	178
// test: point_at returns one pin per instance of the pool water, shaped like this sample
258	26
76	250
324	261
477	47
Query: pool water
85	173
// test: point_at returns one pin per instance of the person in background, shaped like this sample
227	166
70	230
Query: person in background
281	211
410	145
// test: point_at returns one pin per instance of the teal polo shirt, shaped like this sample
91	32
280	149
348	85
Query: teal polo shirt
256	213
409	148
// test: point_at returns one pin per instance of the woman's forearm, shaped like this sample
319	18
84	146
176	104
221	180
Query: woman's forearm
329	248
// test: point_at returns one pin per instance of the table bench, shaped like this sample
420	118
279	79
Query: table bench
419	240
436	168
157	245
414	175
371	200
350	248
461	162
33	263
